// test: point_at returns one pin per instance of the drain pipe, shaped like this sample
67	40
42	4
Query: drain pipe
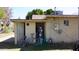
78	11
78	23
55	10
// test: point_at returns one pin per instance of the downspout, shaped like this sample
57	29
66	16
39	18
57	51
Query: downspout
78	23
54	10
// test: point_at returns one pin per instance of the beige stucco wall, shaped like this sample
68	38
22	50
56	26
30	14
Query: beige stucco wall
30	29
19	32
69	33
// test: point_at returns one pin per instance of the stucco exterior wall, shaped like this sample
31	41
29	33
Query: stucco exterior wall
30	31
68	33
19	32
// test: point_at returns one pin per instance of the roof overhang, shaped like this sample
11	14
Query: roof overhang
44	20
53	16
24	20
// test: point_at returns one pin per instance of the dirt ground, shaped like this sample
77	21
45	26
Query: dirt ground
7	44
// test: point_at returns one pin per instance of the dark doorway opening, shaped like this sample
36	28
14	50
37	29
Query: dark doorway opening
40	31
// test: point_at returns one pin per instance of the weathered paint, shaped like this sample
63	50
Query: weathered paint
19	32
68	34
30	30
